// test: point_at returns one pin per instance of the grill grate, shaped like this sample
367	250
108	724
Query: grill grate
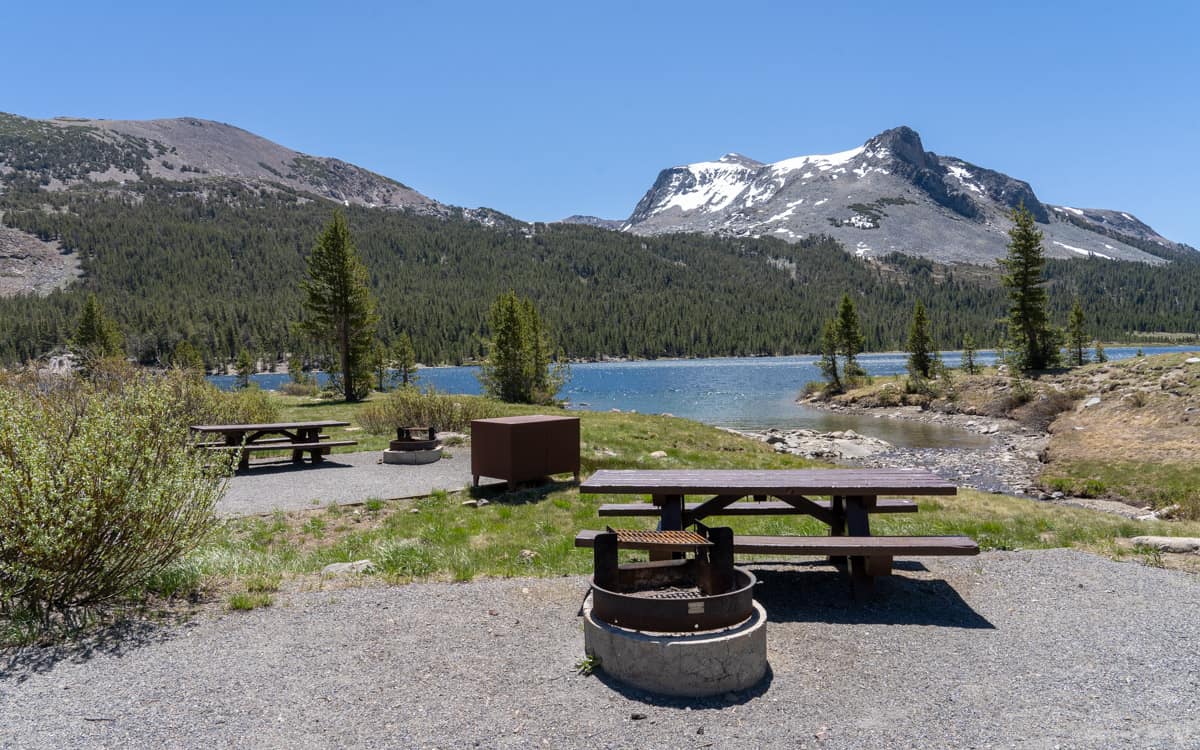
669	592
660	538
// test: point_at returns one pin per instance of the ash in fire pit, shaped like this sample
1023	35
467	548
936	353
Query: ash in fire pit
413	445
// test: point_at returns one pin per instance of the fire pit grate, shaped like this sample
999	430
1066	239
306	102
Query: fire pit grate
641	539
673	592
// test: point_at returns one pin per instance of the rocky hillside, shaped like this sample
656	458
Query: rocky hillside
887	195
63	152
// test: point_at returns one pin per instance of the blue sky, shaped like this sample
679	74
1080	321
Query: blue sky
542	110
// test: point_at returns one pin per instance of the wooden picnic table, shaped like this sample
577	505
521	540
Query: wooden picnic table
854	495
298	437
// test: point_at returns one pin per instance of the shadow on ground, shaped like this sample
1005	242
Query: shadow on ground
735	698
118	639
817	592
285	466
498	493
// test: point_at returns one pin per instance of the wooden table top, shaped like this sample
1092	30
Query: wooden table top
767	482
268	426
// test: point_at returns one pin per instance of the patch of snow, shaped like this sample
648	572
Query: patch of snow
761	194
807	176
821	202
1127	216
795	203
963	175
862	222
1081	251
862	249
823	162
780	216
716	185
1075	211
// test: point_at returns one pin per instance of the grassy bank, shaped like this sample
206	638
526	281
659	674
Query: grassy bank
1127	430
530	532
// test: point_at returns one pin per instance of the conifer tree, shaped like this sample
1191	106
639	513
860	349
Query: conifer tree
1076	338
96	335
921	354
1101	355
968	355
187	357
1033	341
849	337
339	309
404	359
518	367
829	351
245	368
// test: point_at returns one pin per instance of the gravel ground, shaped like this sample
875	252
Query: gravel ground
1033	649
341	478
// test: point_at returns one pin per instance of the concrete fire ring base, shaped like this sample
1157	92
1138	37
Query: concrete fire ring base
693	665
412	457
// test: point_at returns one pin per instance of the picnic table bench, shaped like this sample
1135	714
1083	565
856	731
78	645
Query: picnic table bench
298	437
854	495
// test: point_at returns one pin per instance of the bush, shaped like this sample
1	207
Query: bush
99	491
1039	413
409	407
293	388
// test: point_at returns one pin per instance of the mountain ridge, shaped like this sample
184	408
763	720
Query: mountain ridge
888	195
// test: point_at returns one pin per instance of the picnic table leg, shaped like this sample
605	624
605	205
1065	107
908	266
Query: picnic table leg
670	519
837	526
858	524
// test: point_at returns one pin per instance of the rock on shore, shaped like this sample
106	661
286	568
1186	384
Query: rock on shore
843	444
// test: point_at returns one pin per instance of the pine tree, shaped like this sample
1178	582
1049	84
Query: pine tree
968	355
921	354
829	351
1034	342
96	335
1101	355
340	310
245	368
404	359
518	368
1076	339
849	337
187	357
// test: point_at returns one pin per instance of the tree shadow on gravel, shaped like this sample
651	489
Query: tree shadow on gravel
815	592
121	638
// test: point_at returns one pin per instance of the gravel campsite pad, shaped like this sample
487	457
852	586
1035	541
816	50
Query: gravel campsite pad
1011	649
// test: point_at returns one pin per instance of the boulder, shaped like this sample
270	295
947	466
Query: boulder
348	568
1180	544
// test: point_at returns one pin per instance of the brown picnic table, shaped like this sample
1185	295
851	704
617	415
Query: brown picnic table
854	495
298	437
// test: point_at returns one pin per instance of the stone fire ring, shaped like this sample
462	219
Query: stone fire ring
694	665
412	457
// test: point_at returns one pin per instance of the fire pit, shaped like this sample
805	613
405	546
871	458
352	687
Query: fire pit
672	596
680	627
413	445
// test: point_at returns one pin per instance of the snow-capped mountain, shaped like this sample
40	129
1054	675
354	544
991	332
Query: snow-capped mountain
887	195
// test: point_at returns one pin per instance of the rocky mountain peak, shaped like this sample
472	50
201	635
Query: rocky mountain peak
904	144
888	195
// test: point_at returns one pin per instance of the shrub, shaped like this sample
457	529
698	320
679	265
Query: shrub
1040	412
99	491
293	388
409	407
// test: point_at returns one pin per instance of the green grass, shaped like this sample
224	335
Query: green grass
1155	484
247	600
445	540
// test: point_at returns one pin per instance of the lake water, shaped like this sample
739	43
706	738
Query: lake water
742	392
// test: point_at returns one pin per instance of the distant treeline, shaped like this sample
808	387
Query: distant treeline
218	264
